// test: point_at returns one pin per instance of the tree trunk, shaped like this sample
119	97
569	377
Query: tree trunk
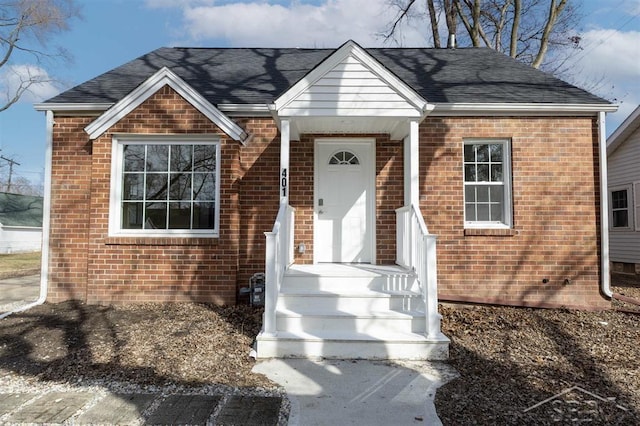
554	12
517	10
433	17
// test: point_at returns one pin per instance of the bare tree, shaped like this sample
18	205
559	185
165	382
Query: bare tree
528	30
26	27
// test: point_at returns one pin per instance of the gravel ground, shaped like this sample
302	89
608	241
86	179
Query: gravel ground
510	360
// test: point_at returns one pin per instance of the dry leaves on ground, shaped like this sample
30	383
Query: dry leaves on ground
512	359
147	344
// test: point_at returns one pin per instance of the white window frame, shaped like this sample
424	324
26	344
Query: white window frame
506	184
636	205
630	208
115	199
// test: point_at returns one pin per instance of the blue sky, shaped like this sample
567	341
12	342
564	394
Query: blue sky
113	32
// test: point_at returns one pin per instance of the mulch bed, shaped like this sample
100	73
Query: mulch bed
536	367
517	365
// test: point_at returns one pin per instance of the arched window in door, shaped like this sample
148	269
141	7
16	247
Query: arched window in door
344	157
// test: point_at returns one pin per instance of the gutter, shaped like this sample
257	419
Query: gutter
46	221
605	276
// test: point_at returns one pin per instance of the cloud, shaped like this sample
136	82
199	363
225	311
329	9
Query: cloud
328	23
13	77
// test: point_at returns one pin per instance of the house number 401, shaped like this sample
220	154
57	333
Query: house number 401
283	182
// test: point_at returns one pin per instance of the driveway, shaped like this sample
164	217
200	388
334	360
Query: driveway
18	291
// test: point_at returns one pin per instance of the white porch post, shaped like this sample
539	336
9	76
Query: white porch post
284	160
412	165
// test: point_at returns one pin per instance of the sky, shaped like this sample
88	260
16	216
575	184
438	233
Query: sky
112	32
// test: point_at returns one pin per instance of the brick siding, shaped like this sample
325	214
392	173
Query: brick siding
555	236
555	203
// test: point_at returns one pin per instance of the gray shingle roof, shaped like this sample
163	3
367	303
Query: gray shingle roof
20	210
260	75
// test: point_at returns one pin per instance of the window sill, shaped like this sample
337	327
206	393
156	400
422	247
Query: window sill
161	241
489	232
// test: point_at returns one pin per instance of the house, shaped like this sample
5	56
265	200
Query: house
623	156
365	183
20	223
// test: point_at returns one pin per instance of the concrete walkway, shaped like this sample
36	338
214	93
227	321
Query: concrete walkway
99	407
345	392
18	291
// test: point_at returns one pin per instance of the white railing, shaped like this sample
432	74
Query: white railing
278	257
416	250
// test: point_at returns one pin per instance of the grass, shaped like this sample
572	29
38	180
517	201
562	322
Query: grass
18	262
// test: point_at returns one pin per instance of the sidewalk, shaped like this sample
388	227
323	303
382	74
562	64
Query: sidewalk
18	291
101	407
327	392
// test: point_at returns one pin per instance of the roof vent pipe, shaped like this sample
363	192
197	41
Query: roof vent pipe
451	43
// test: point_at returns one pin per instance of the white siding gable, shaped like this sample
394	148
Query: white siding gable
350	83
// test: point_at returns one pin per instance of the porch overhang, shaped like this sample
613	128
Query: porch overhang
350	92
396	127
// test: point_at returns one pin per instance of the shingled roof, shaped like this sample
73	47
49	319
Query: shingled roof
260	75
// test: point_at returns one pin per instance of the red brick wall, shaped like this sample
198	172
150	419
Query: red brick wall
555	200
70	201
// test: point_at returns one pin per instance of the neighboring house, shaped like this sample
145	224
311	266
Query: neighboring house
365	183
20	223
623	153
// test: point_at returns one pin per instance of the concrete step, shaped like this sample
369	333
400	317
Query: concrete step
350	301
349	278
357	322
350	345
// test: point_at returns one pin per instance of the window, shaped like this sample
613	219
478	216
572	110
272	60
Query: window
624	207
487	184
165	186
620	208
344	157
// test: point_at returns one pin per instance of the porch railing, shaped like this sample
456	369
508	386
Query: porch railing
279	255
416	250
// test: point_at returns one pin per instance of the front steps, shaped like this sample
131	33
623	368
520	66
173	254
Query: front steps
350	311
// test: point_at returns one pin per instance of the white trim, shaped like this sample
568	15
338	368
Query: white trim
115	192
628	188
285	169
55	107
605	278
636	204
351	48
506	184
371	204
628	126
245	110
164	77
535	109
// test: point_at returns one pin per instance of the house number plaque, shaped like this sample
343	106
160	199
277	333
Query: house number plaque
283	182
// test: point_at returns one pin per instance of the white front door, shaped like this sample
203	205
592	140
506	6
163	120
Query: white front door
344	200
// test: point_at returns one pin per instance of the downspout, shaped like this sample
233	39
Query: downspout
605	278
46	221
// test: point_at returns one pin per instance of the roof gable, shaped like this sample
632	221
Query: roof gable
624	131
163	77
350	82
